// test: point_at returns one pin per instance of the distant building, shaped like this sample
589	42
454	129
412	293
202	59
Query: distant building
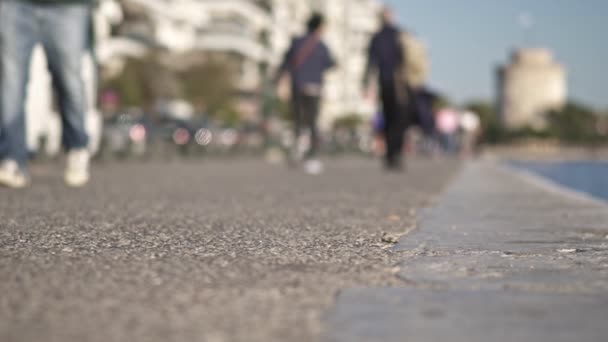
531	85
253	33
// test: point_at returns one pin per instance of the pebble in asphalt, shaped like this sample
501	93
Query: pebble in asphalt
199	251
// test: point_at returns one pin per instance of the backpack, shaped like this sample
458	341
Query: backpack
415	70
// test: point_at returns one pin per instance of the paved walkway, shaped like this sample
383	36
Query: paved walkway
501	258
199	251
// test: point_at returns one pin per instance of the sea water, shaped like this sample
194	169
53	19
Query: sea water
590	177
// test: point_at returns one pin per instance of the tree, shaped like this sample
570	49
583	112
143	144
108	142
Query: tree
143	81
575	123
210	83
349	122
491	128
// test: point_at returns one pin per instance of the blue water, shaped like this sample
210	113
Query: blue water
584	176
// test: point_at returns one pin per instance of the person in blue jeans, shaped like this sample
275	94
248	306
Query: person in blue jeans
62	28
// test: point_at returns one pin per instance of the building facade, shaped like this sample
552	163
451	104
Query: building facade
531	85
351	24
258	33
254	33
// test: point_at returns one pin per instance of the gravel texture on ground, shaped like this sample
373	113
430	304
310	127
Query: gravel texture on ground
200	251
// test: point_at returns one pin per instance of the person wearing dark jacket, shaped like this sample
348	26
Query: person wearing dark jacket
307	61
385	57
61	27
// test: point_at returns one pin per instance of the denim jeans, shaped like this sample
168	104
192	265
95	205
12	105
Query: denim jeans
63	32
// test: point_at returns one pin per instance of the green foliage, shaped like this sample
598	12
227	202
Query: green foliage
209	84
575	123
440	102
485	111
283	109
349	121
228	116
142	82
128	84
491	128
524	133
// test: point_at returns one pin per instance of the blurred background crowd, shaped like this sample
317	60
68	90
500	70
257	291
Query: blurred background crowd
194	77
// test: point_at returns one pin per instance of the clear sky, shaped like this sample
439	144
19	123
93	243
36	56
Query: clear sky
468	39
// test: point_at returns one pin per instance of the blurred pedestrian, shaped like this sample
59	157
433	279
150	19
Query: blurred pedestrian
386	57
425	101
62	27
470	125
306	62
447	128
378	128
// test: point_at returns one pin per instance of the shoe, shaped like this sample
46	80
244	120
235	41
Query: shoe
293	158
313	167
77	168
297	152
11	175
394	165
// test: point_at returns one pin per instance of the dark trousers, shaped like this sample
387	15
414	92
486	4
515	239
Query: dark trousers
396	120
306	112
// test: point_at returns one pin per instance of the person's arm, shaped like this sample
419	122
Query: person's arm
401	57
287	60
370	70
330	61
372	63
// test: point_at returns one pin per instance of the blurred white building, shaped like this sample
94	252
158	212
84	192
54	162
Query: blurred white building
529	86
228	27
255	33
351	24
258	32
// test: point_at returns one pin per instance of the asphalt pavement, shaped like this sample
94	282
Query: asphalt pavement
201	251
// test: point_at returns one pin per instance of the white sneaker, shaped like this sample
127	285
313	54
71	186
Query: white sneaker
11	175
298	151
313	167
77	168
